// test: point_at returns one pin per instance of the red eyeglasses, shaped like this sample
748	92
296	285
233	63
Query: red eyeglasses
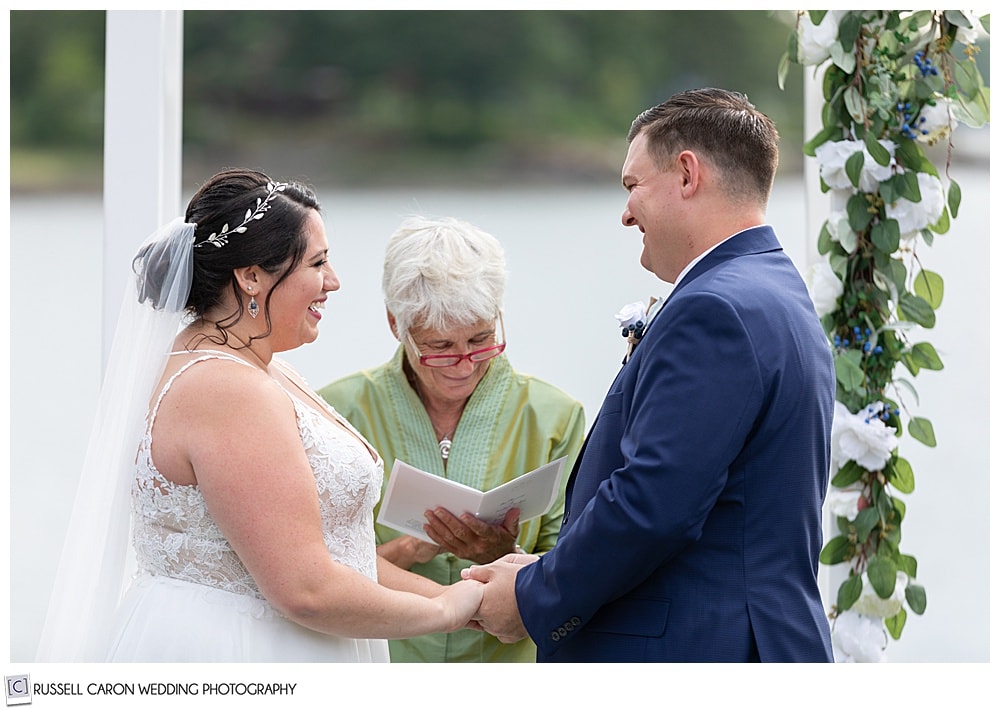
450	360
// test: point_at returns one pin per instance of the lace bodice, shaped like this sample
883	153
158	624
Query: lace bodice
174	534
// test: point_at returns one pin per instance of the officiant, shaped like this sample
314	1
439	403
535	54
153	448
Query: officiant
450	403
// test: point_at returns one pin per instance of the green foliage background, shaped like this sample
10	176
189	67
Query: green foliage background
362	97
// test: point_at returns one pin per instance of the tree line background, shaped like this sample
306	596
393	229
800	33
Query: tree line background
381	97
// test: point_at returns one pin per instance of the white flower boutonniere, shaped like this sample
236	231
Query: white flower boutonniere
632	320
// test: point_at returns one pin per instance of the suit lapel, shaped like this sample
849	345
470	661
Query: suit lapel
756	240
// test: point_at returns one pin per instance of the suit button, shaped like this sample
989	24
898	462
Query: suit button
554	636
562	631
575	621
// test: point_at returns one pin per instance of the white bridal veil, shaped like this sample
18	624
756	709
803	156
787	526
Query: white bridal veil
96	563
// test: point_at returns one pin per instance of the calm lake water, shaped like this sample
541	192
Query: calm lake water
572	266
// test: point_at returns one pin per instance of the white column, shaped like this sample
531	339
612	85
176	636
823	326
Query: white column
817	204
817	210
142	142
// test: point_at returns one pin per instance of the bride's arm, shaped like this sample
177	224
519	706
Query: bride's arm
393	577
241	434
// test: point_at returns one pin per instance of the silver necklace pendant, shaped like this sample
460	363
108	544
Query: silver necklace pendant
445	446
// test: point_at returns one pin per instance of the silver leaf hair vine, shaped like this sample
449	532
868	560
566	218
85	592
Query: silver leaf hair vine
263	205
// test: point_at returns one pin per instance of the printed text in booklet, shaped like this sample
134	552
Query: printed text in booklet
411	492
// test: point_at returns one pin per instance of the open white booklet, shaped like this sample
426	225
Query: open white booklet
410	492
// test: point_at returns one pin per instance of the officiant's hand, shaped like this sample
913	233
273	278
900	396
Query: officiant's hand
498	614
405	551
469	538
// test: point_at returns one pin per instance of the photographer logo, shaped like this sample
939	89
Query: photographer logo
18	689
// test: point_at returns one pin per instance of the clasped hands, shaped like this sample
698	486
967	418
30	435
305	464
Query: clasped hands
489	546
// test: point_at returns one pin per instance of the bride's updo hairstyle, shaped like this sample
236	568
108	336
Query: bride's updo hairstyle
244	219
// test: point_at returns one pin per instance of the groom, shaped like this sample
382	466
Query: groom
692	527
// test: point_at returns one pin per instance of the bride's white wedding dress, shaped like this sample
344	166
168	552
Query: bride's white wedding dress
195	601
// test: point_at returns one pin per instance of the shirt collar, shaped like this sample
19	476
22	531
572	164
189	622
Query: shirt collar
684	272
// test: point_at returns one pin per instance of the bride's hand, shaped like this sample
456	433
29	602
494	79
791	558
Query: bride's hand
460	602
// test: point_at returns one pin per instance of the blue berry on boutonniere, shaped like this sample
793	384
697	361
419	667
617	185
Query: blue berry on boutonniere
632	320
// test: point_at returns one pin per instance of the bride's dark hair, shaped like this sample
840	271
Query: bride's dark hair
274	242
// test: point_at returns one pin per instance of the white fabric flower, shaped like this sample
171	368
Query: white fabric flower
871	604
825	287
858	638
843	502
815	40
969	35
630	314
833	156
936	121
861	437
915	216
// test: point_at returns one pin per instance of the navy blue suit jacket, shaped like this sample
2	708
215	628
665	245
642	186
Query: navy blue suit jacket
692	528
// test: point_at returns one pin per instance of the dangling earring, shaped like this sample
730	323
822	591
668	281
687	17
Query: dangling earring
252	308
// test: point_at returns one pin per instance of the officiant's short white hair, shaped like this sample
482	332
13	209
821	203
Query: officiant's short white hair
442	273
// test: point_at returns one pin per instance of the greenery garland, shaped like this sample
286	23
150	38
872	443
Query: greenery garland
894	82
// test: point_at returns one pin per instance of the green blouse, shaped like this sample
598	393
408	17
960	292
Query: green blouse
512	424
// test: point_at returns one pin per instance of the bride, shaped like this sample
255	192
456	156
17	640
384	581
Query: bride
251	499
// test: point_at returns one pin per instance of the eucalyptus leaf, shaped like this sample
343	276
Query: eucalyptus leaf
909	155
783	66
816	16
908	386
907	185
876	150
853	102
885	236
882	574
857	212
954	198
922	430
956	17
865	522
916	309
837	550
899	507
847	32
896	623
838	263
920	18
943	223
842	59
973	111
887	190
846	236
849	375
849	592
825	242
916	597
929	286
899	473
908	564
853	167
967	76
926	356
849	473
832	133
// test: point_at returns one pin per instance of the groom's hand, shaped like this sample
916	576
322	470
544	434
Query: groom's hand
498	614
